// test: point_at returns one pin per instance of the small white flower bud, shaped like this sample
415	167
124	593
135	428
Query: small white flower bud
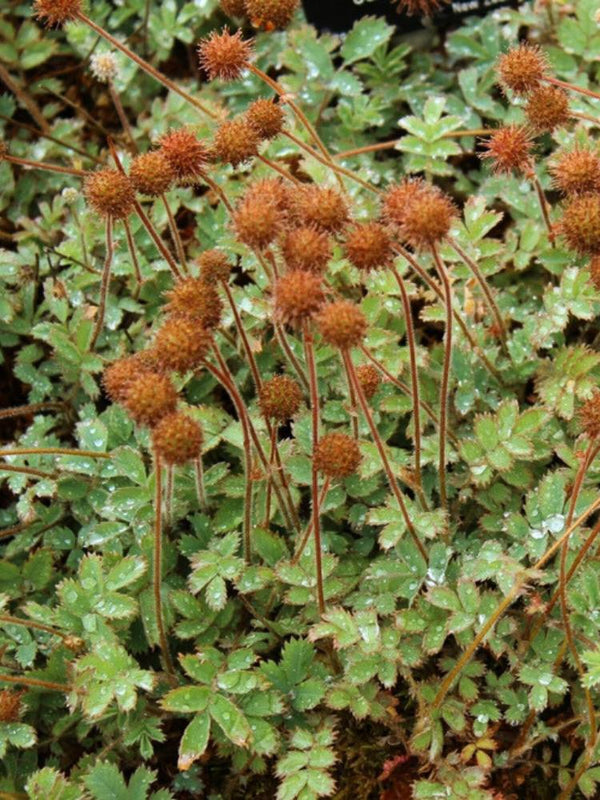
104	66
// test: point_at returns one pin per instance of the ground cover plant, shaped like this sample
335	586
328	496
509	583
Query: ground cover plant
300	409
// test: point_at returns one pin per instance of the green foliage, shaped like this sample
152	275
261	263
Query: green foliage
442	647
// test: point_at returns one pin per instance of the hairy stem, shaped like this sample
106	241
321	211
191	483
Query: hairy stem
157	578
105	283
45	166
393	484
133	254
35	473
391	144
300	116
114	95
31	408
433	285
316	512
174	231
35	683
572	87
485	288
200	490
444	387
309	528
225	377
291	356
51	451
341	170
158	241
28	623
414	378
407	391
145	66
503	606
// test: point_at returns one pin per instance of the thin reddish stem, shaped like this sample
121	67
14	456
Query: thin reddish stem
316	513
341	170
133	253
200	490
145	66
105	283
485	288
387	467
157	581
31	408
445	384
158	241
414	377
45	166
407	391
272	451
572	87
34	473
503	606
309	528
51	451
247	447
460	321
35	683
392	143
28	623
300	116
175	236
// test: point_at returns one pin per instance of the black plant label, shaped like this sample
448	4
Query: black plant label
340	15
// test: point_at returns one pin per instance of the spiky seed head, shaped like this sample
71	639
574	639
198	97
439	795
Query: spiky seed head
258	220
369	379
104	66
337	455
576	171
273	189
342	324
110	193
321	206
368	246
54	13
181	344
266	117
397	198
298	297
10	705
151	173
306	248
509	148
187	155
580	224
236	141
117	377
149	397
214	266
271	14
428	217
522	68
197	300
224	55
233	8
547	108
280	398
589	415
595	271
178	438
